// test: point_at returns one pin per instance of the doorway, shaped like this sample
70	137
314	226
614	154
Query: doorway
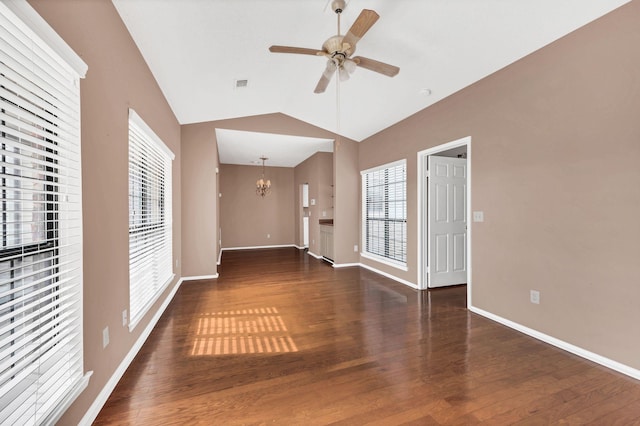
444	191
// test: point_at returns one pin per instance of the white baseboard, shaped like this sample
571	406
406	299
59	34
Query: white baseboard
102	397
345	265
576	350
219	257
257	247
300	247
317	256
200	277
393	277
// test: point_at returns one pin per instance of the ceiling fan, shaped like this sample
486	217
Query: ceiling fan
339	48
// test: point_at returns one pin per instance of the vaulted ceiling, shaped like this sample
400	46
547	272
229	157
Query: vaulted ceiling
198	49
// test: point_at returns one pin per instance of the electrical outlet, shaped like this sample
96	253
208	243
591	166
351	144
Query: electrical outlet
177	263
355	248
268	235
105	337
124	318
535	297
478	216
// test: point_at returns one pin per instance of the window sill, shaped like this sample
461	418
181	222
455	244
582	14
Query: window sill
389	262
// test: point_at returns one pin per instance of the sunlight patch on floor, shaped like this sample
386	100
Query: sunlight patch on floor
243	331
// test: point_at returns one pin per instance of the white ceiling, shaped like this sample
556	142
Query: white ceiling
196	49
240	147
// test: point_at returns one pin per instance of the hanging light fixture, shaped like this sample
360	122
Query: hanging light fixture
263	186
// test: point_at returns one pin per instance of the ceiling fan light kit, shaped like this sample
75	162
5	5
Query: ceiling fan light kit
339	48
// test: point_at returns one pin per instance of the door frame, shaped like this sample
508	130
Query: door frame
423	231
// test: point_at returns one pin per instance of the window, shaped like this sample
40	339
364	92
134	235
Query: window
384	209
41	358
150	223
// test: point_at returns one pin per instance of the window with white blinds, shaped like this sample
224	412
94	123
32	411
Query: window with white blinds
384	209
41	358
150	220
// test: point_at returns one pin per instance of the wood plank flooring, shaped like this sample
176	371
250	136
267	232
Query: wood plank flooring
282	338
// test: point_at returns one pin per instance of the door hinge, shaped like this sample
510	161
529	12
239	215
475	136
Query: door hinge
426	174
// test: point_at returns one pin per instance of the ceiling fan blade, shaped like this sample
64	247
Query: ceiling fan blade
365	21
377	66
298	50
326	77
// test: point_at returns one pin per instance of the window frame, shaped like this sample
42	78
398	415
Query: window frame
59	359
365	252
152	289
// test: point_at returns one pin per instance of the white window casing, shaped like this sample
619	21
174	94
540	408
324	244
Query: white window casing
150	218
41	336
384	214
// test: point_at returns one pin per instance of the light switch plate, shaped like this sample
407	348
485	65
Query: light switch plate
105	337
534	296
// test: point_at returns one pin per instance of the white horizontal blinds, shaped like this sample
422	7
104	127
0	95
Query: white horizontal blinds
386	212
41	243
150	221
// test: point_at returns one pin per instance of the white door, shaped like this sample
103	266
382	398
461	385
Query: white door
447	221
305	231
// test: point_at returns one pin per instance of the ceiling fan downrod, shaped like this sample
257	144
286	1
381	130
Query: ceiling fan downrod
338	6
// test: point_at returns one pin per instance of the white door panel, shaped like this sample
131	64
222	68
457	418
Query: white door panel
447	221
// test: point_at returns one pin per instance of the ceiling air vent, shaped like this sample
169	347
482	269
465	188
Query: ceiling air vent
241	84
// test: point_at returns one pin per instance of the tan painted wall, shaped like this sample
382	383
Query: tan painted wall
200	205
347	187
248	220
117	79
555	154
317	171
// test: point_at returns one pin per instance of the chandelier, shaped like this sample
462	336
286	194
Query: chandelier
263	186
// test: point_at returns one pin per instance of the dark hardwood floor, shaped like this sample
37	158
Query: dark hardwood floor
283	338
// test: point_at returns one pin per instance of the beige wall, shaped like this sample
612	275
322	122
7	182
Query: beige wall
555	154
117	79
249	220
200	203
347	186
317	171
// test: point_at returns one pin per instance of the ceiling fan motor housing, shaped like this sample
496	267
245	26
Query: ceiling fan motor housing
338	6
334	47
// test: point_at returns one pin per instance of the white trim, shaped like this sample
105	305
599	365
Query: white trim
393	277
300	247
201	277
258	247
138	121
219	257
345	265
102	397
384	166
317	256
576	350
41	28
55	415
388	262
422	158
